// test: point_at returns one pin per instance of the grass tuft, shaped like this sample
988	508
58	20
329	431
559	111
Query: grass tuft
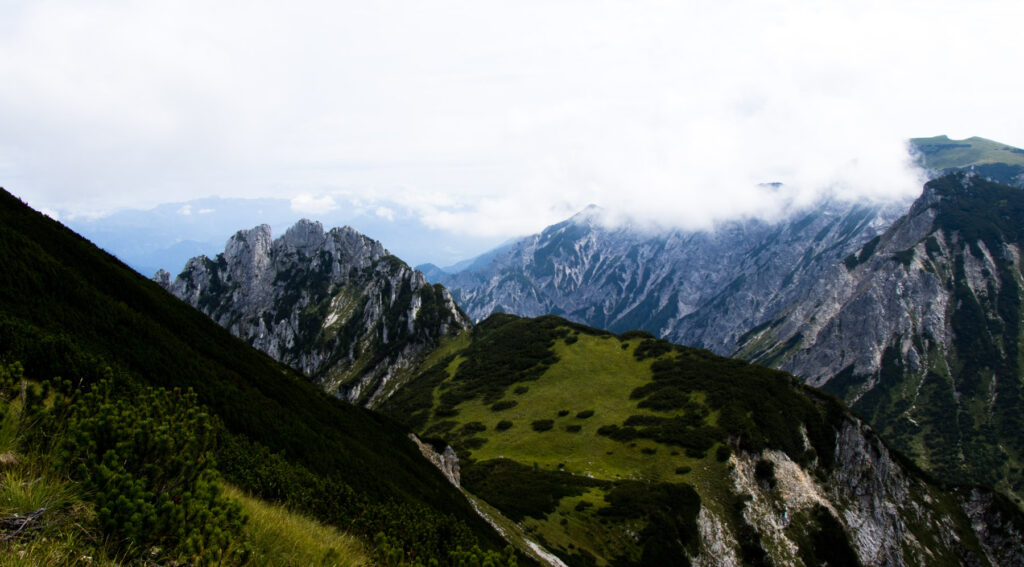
281	537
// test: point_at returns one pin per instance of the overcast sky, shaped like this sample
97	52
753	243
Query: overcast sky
494	118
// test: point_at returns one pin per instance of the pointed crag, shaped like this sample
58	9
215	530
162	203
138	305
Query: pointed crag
333	304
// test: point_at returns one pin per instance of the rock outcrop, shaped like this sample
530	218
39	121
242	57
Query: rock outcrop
332	304
889	514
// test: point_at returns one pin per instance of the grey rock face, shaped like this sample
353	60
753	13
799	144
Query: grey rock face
701	288
332	304
999	537
919	332
890	516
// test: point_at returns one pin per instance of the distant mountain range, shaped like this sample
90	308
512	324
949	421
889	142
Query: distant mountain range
691	287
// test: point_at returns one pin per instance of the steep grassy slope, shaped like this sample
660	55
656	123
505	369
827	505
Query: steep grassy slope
67	309
628	450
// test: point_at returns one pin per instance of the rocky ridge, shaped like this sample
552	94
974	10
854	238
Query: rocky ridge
702	288
332	304
920	331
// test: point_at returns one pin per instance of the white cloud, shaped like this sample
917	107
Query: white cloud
206	211
185	210
313	204
385	213
662	110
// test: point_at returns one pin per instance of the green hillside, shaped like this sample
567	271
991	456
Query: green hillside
71	311
608	449
942	154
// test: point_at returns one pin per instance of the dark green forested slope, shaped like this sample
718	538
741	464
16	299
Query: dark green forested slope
68	309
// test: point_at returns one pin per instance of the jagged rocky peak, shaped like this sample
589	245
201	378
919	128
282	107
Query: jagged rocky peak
333	304
253	242
305	235
163	277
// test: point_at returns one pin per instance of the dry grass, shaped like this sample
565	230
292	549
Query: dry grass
282	537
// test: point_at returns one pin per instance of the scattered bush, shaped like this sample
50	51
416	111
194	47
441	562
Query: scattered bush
670	511
503	425
829	543
473	427
585	414
504	405
543	424
519	490
473	443
583	505
146	463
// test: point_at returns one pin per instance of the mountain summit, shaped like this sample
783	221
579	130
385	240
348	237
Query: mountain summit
333	304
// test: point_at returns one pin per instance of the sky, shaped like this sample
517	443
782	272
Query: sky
491	119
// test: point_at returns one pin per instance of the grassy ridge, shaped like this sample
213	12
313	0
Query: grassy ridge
544	444
941	153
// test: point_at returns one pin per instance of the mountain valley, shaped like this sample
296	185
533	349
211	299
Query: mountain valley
578	427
